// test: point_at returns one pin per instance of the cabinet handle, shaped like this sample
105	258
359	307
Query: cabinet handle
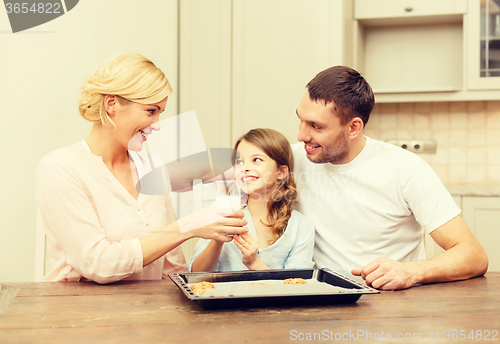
408	9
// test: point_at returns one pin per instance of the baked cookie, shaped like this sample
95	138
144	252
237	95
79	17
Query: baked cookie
295	281
258	283
202	287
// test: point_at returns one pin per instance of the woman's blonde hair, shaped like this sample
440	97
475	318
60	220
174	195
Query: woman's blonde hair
277	147
130	76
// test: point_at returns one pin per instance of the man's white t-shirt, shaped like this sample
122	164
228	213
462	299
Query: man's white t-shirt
377	205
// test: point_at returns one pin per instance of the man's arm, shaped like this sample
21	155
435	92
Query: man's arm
464	258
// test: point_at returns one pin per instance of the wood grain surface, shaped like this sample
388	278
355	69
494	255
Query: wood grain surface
157	312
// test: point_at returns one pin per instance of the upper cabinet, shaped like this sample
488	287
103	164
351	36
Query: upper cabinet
422	50
484	48
244	64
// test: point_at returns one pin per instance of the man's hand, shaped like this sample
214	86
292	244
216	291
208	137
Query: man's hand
387	274
463	258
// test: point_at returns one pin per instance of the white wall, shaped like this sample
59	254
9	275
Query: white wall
41	70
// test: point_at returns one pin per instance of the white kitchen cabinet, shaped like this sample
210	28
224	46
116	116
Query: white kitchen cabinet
484	45
205	66
482	215
410	47
421	50
278	47
404	11
204	79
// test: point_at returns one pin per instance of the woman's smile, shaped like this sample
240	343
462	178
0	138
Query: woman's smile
140	120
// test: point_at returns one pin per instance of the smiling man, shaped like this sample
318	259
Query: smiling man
371	201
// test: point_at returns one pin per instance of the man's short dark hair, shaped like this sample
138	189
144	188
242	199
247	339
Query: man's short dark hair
347	89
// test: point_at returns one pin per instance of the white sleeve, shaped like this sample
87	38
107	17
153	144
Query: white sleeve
428	199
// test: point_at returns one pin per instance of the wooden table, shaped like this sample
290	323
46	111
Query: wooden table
157	312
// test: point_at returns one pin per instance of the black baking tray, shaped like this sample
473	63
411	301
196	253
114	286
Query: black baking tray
350	295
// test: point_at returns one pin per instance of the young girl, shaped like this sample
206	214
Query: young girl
278	237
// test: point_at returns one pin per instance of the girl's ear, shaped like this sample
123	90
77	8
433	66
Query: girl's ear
110	104
282	172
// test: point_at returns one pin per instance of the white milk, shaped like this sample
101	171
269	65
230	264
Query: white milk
228	201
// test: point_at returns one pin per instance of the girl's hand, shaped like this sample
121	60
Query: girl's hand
249	246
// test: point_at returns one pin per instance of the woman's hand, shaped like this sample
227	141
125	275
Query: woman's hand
214	223
249	247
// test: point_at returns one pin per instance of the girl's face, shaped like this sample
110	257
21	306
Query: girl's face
135	121
257	173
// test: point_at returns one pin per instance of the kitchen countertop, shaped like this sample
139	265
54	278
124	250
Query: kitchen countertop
474	190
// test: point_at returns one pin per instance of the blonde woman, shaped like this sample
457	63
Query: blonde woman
98	225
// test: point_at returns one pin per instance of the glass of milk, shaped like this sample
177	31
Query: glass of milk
227	194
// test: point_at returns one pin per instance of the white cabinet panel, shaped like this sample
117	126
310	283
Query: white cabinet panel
245	64
205	66
482	214
278	47
413	58
458	61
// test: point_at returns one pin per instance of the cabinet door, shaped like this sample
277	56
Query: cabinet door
205	67
278	47
483	27
205	78
482	215
245	64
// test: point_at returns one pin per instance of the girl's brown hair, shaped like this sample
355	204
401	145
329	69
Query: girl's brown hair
277	147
